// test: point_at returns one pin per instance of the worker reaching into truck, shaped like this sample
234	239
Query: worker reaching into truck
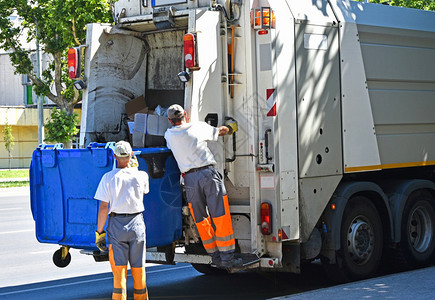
205	191
121	194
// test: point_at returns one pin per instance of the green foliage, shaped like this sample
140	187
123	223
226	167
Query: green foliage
8	139
62	127
419	4
58	25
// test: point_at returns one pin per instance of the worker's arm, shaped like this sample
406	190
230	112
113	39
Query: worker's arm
223	130
229	128
102	216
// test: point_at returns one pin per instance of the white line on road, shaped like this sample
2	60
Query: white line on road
16	231
11	208
85	281
41	252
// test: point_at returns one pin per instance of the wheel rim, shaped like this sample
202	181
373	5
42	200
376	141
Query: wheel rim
420	229
360	240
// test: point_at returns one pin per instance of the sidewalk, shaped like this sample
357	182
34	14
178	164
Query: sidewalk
416	285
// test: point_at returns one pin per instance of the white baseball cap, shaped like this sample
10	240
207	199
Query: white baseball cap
122	149
175	111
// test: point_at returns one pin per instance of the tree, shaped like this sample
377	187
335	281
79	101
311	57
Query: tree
62	127
9	140
419	4
58	25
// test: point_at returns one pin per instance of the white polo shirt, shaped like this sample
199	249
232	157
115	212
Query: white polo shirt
123	189
188	143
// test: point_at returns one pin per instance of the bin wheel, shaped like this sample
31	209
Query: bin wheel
58	261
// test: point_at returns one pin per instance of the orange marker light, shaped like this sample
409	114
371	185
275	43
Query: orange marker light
263	18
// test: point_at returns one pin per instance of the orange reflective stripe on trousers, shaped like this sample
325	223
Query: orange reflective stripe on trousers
223	238
206	232
119	278
140	287
224	229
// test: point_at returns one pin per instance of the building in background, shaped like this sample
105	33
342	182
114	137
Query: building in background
18	108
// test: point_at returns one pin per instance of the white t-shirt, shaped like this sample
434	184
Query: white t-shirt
123	189
188	143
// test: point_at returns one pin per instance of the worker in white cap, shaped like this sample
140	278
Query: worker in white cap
205	191
121	194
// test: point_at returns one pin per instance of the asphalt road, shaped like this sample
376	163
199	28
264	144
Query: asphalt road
27	270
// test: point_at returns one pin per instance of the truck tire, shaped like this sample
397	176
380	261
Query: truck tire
417	244
361	240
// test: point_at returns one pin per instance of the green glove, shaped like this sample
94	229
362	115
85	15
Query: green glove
232	126
100	241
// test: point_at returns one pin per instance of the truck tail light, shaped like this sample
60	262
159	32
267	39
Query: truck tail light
266	218
262	18
73	63
189	50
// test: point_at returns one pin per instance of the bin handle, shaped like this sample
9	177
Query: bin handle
100	145
44	146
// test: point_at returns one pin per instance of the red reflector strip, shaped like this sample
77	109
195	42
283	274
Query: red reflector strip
272	111
271	102
284	234
263	32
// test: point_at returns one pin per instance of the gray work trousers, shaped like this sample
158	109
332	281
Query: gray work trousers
126	233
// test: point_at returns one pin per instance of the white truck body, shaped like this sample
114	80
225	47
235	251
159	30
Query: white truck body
335	101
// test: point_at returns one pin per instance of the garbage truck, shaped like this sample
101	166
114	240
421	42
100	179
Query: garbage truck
334	159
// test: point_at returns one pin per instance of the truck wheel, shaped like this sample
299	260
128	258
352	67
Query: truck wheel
417	243
58	261
361	239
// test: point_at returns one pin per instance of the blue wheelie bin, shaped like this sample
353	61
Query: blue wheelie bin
62	188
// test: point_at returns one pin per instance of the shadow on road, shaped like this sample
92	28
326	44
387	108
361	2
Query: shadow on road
177	282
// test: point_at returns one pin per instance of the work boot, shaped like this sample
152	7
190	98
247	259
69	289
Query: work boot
229	264
215	258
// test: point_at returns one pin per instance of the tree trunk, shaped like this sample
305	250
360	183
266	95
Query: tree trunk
67	145
10	160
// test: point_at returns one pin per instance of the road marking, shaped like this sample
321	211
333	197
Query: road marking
12	208
17	231
41	252
84	281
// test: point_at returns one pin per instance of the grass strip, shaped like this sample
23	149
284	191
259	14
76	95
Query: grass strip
17	173
14	184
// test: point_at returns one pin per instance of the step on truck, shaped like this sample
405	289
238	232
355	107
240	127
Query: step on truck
334	158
